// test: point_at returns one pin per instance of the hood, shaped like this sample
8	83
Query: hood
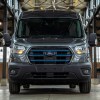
49	41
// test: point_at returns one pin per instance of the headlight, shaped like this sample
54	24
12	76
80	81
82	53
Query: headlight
18	49
79	50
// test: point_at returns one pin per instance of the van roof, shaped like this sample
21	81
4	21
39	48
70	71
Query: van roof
49	14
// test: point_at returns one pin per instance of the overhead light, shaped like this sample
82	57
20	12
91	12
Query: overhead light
97	16
42	8
0	23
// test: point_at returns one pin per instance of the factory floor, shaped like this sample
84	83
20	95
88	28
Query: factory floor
60	92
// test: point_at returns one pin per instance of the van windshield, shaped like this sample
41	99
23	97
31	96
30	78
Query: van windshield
49	28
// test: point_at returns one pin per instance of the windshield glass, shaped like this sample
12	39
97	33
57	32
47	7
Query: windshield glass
49	28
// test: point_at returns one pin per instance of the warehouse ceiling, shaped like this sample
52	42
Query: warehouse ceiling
77	5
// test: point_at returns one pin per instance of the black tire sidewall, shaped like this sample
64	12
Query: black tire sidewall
14	88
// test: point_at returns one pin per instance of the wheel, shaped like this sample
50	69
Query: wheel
14	88
27	86
72	86
85	87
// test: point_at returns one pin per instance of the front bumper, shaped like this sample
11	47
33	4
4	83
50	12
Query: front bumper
49	73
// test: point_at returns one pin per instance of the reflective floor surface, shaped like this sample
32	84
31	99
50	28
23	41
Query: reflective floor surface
50	93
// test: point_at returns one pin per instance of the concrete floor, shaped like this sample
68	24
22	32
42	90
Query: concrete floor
50	93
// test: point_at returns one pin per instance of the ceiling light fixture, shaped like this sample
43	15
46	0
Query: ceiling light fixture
0	23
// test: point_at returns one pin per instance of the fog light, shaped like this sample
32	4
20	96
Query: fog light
14	71
86	71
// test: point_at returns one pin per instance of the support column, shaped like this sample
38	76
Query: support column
95	60
94	30
95	63
14	20
3	80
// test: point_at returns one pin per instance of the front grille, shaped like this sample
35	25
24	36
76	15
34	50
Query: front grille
50	55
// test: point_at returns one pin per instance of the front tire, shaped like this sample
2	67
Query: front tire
14	88
85	87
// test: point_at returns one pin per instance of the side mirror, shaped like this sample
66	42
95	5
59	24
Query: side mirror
6	40
1	35
93	39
